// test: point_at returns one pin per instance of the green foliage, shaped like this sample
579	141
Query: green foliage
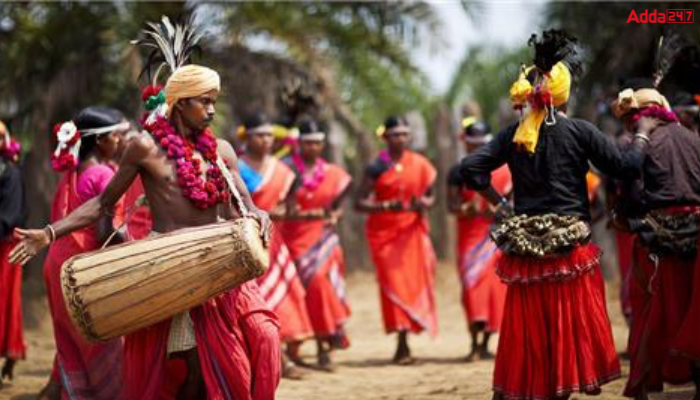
616	50
485	76
363	47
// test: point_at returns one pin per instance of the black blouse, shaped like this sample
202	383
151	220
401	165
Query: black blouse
553	179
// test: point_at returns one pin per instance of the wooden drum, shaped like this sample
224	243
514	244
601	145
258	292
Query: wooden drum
122	289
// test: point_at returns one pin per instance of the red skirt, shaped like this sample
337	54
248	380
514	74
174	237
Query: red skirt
624	242
660	300
687	342
556	337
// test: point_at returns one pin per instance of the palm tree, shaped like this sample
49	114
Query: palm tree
54	59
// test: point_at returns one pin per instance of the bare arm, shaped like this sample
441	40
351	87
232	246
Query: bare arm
137	149
424	202
286	207
454	200
364	201
33	240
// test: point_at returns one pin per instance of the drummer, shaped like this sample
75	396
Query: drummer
231	343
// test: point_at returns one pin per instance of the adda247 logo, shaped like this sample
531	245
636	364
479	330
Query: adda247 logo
673	16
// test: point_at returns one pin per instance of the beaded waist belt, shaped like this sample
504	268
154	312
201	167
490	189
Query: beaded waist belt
664	232
541	235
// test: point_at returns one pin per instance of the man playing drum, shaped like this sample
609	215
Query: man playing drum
230	343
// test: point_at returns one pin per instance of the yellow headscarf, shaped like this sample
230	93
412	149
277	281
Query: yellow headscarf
190	81
629	99
558	82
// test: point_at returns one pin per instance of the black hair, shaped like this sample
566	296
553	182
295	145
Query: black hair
637	83
255	120
394	121
307	126
91	118
477	129
683	99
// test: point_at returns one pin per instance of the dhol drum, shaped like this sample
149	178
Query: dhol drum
122	289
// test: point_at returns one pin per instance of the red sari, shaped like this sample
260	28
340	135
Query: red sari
237	343
401	248
316	250
483	294
85	370
280	286
12	344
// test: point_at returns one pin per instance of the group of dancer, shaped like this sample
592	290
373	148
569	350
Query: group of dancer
526	262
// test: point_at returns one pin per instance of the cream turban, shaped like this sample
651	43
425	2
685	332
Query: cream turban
190	81
629	99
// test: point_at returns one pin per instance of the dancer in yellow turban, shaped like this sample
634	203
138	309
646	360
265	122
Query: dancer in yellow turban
555	336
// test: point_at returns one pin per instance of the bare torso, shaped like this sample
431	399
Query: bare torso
170	209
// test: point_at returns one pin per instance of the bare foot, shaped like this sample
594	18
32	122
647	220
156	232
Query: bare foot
299	362
8	370
474	355
485	354
52	391
403	352
292	372
325	363
405	360
403	356
594	392
641	396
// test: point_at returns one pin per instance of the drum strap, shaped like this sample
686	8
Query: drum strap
228	177
238	200
140	201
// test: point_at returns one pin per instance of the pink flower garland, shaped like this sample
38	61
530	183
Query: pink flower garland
202	193
312	182
385	157
657	112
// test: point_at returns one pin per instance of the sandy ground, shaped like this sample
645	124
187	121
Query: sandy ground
363	370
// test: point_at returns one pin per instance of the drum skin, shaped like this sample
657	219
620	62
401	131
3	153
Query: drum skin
122	289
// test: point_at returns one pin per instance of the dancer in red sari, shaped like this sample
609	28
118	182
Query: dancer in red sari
556	337
667	197
12	213
483	294
269	182
86	151
309	231
396	191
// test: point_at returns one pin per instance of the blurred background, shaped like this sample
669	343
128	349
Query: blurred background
347	64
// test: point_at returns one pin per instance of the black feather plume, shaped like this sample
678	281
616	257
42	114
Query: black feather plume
170	45
554	46
668	50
